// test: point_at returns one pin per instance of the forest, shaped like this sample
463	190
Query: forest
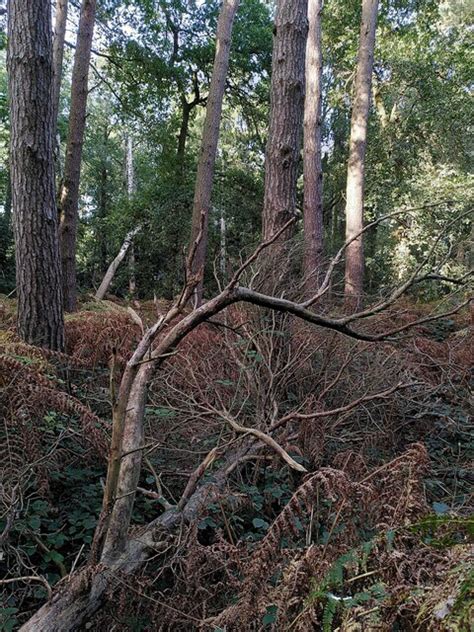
236	315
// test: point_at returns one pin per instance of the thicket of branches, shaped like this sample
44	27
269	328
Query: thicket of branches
289	472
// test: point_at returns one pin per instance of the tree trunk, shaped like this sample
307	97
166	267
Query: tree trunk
207	158
69	198
183	130
102	205
223	248
354	273
286	115
312	165
83	595
58	54
38	274
112	269
132	281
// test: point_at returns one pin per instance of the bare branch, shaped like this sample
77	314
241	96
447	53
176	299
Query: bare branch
342	409
265	244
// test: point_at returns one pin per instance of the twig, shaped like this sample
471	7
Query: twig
30	578
196	477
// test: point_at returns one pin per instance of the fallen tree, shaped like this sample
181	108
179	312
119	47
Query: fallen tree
80	595
112	269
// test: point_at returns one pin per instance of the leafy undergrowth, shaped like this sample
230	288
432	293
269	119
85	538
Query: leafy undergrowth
375	537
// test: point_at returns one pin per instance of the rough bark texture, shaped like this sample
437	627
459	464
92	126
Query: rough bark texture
207	158
286	115
38	278
354	274
58	54
69	198
312	166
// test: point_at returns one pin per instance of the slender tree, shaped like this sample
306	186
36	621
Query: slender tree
354	273
286	114
58	53
69	198
38	277
131	190
312	166
210	137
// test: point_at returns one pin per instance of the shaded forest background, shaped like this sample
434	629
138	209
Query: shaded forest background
418	142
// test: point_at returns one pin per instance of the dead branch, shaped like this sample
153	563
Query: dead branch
265	439
112	269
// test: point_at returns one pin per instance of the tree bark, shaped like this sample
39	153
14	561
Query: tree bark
112	269
312	165
103	204
354	272
183	130
286	115
69	198
58	54
83	596
38	274
207	158
132	281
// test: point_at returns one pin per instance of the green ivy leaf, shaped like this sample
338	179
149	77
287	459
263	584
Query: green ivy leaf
270	616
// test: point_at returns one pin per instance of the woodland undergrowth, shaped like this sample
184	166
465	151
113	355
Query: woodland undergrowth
376	535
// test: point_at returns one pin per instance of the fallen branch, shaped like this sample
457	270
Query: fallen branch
264	438
112	269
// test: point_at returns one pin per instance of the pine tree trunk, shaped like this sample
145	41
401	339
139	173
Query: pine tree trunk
354	273
312	165
58	54
207	158
286	115
38	275
69	198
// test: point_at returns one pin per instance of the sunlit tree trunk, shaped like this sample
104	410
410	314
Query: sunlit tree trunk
69	198
58	54
207	157
312	165
112	269
223	247
38	277
354	273
132	281
286	114
103	204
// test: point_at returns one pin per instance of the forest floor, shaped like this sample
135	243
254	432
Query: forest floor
376	535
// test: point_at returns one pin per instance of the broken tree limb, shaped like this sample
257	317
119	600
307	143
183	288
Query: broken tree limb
112	269
264	438
76	600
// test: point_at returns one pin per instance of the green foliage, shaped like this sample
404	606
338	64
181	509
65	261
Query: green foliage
336	594
270	615
8	620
